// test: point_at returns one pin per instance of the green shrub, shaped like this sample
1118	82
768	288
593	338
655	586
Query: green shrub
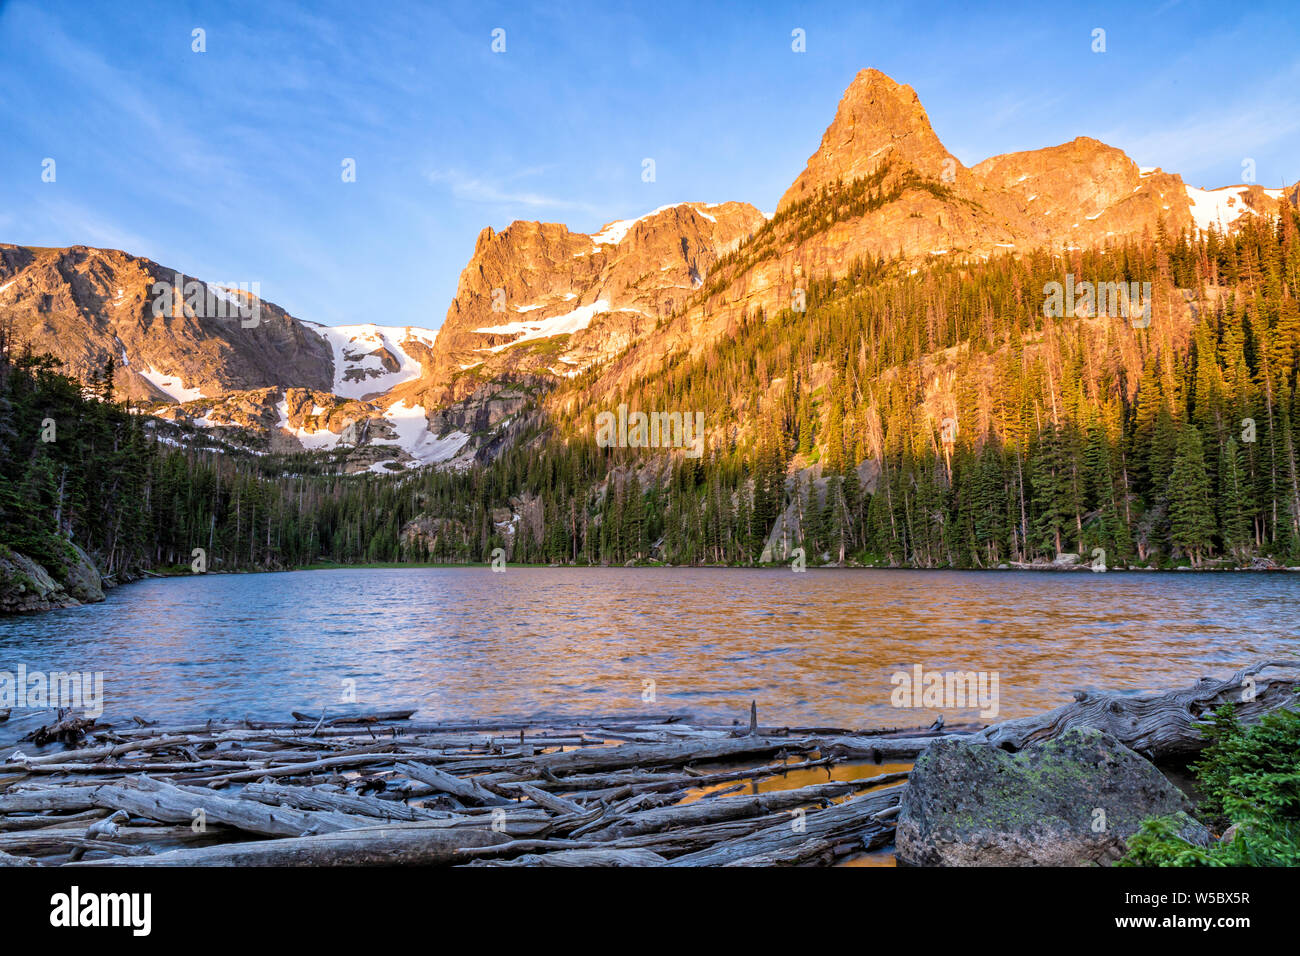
1250	778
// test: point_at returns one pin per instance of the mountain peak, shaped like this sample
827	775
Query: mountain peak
878	120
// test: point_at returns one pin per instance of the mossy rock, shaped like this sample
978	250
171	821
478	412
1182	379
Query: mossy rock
1071	801
80	577
26	586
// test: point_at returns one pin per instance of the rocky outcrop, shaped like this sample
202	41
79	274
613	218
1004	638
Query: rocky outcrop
437	537
1083	193
27	586
354	435
86	306
81	578
805	490
1071	801
537	297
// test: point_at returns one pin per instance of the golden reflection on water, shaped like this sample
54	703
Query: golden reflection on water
805	777
812	649
790	780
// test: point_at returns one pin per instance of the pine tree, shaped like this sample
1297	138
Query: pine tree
1191	515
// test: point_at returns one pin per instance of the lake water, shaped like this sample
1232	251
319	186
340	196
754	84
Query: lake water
817	648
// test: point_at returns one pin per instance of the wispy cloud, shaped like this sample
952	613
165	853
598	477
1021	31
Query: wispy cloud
1210	142
91	229
477	190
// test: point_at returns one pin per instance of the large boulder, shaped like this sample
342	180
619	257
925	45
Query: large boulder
26	586
1070	801
81	579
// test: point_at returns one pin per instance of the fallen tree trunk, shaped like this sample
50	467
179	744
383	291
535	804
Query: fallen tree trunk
669	754
858	817
161	801
1156	725
310	798
406	844
633	857
462	788
731	808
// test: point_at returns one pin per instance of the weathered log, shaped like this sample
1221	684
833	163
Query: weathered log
548	800
161	801
462	788
1158	725
71	757
670	754
311	798
40	821
400	844
687	839
58	799
854	816
54	839
732	808
599	785
791	855
343	761
356	718
66	730
602	857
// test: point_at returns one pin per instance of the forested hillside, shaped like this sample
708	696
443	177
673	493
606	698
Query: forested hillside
990	432
1000	434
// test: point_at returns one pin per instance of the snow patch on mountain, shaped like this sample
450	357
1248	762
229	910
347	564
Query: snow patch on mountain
414	437
359	368
172	385
1217	207
566	324
617	231
312	440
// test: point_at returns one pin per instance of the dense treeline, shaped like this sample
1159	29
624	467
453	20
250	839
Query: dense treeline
991	433
73	466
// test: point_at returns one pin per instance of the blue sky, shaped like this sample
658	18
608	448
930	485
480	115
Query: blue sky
227	164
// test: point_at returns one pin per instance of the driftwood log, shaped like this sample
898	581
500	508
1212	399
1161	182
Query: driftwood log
1157	725
406	844
1164	725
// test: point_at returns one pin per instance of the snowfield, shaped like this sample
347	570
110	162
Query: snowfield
354	347
172	385
617	231
566	324
414	437
322	440
1223	206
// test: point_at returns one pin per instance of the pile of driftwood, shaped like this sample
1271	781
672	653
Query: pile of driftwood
383	789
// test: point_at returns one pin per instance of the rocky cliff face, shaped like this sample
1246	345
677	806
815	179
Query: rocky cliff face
1082	193
86	306
27	586
536	297
878	122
